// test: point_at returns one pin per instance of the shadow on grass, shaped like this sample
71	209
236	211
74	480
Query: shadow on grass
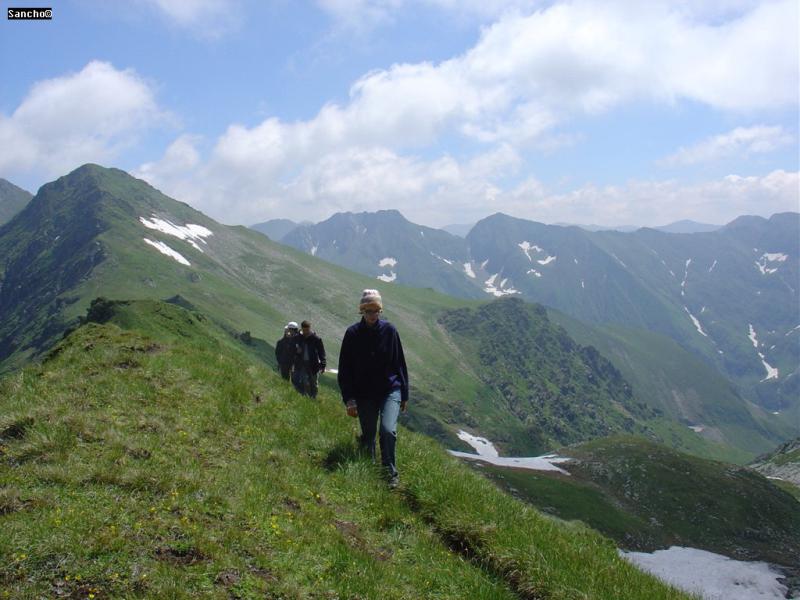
344	453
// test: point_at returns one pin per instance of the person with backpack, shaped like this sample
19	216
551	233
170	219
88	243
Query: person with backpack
309	360
373	379
284	350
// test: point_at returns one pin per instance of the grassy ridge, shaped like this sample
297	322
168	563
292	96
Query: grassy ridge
166	462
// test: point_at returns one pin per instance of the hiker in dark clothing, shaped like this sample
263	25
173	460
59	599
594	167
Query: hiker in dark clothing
309	360
284	350
373	379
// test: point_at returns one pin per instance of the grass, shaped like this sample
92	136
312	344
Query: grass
166	462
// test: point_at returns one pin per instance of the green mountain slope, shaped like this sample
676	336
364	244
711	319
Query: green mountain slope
12	200
560	391
163	461
99	232
740	284
647	497
682	389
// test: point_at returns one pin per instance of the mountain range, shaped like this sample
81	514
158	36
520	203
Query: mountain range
100	232
729	295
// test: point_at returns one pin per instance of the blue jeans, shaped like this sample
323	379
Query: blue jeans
388	409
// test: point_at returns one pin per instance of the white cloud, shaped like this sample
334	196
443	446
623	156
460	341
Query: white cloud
527	74
180	157
89	116
362	16
206	18
654	203
740	142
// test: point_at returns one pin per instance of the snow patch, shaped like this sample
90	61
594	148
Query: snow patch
711	576
576	260
481	445
484	263
697	428
387	262
468	270
190	233
791	331
498	290
583	285
388	278
685	277
623	264
486	452
696	322
711	268
449	262
534	272
527	247
164	249
768	258
314	250
547	260
772	372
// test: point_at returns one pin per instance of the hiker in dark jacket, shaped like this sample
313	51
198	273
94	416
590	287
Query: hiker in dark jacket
284	350
309	360
373	379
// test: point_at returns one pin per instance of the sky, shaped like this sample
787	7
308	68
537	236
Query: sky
611	113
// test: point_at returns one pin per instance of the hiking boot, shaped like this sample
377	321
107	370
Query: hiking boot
394	482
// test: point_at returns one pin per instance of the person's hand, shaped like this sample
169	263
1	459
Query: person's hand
352	409
403	405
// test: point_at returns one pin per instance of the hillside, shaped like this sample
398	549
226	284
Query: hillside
680	387
164	461
99	232
12	200
562	392
647	496
782	465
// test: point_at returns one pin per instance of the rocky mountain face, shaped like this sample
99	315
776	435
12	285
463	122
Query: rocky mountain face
390	248
783	463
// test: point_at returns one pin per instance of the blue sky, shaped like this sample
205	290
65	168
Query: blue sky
611	113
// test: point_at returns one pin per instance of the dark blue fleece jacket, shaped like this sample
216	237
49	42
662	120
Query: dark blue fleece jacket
371	362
